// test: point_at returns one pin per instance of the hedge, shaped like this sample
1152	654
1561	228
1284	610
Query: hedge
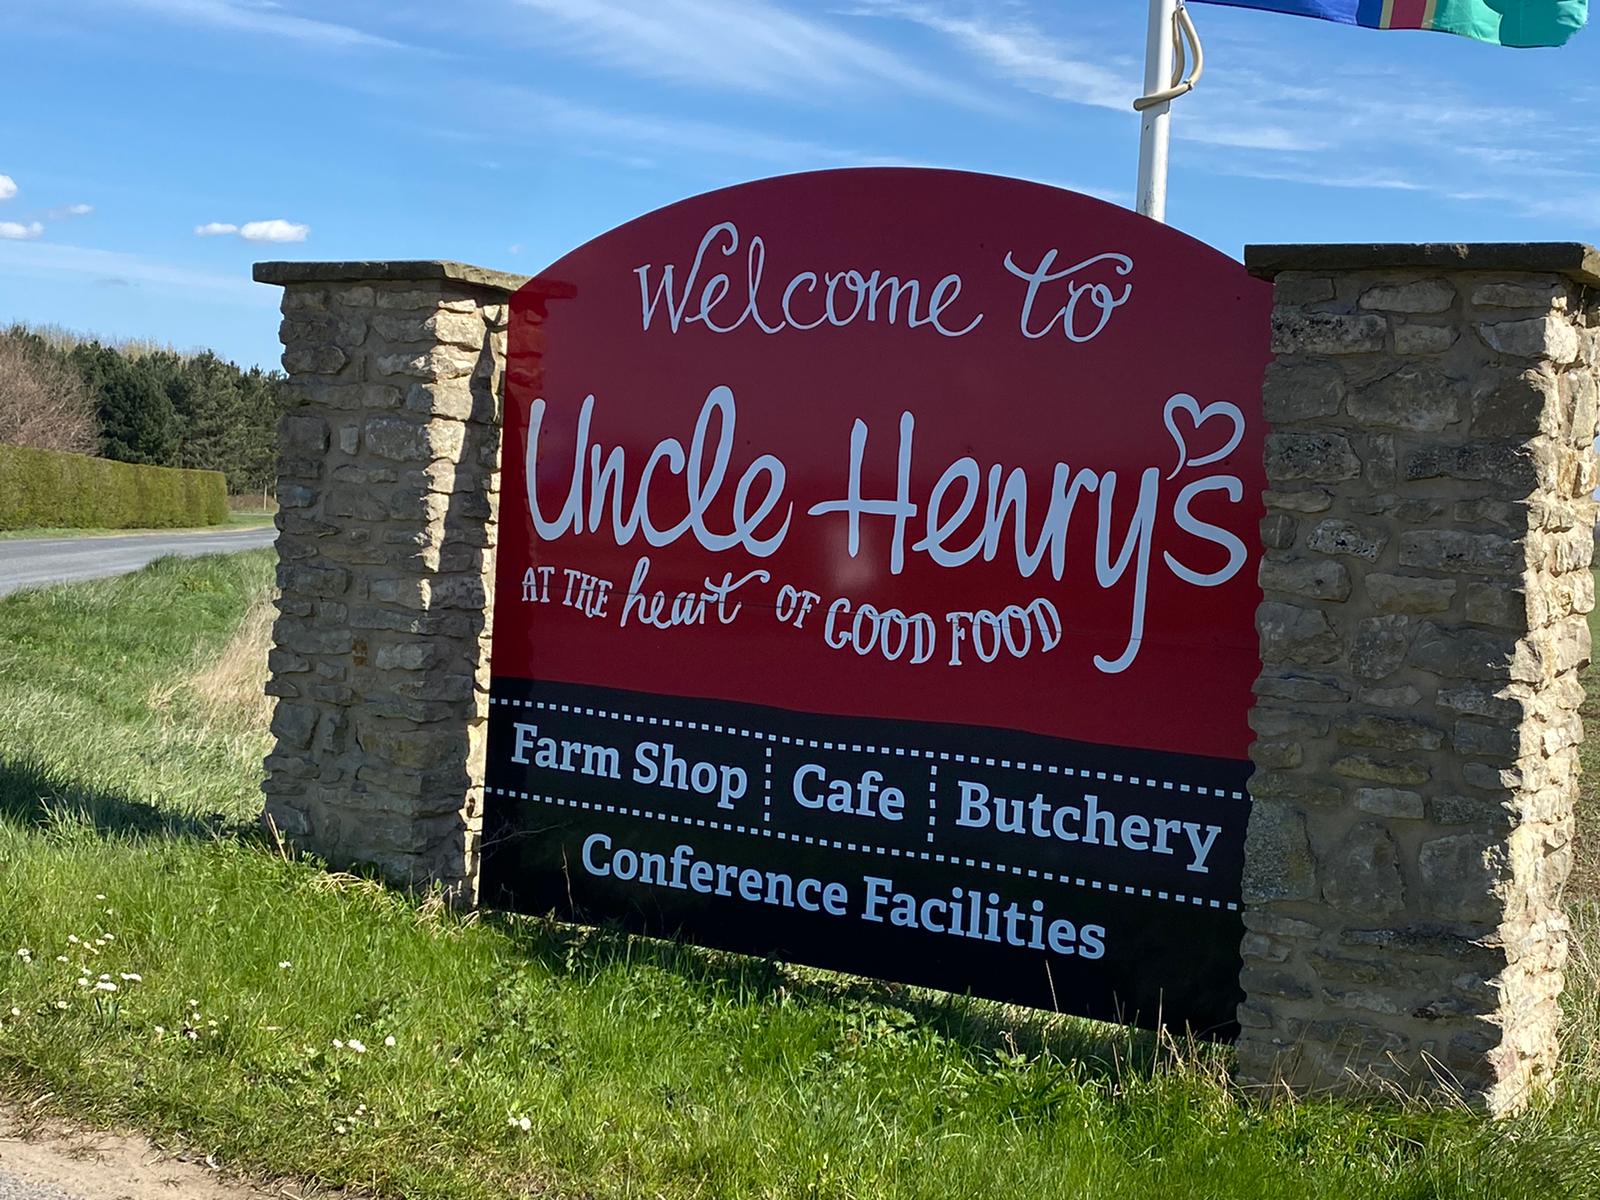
48	489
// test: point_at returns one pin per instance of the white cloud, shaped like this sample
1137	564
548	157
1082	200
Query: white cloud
1321	175
266	19
1021	53
748	45
1245	137
549	114
69	210
8	187
50	260
273	231
277	230
16	231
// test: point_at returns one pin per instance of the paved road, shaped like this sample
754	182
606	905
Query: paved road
35	562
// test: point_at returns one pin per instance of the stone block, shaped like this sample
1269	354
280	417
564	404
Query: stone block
1492	604
323	329
1390	802
302	434
1552	295
1523	403
1316	579
1458	551
1423	339
1376	768
1548	337
403	440
322	581
1318	457
1387	732
439	362
1335	536
1580	391
1487	741
1291	394
1295	331
1420	296
1380	646
1309	500
463	330
1460	652
407	656
1301	688
293	724
1278	531
314	360
1514	465
1498	703
1361	874
1460	876
1295	287
1295	635
1278	860
301	299
455	399
1413	594
1417	399
1277	755
308	639
294	495
422	298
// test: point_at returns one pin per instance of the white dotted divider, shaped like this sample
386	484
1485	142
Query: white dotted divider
625	810
863	748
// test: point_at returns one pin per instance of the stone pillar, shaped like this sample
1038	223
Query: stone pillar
1428	534
387	486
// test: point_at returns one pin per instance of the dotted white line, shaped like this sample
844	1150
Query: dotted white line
933	799
829	843
766	788
814	744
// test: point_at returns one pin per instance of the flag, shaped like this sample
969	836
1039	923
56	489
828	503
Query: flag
1500	22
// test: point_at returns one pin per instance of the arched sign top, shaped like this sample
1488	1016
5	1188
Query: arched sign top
950	480
938	186
1076	384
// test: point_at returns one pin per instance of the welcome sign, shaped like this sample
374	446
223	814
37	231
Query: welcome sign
876	589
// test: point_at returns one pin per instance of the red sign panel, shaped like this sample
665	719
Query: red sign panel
876	588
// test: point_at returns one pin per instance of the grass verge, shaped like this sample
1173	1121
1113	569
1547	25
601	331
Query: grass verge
236	520
303	1024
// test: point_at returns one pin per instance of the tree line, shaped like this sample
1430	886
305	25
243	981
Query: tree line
140	404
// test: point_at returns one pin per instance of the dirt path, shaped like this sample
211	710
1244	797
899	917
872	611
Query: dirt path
45	1160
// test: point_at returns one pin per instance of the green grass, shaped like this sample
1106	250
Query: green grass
643	1069
236	520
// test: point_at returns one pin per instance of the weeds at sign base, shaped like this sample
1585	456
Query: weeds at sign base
245	983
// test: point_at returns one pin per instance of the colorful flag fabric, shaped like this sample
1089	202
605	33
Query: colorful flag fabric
1501	22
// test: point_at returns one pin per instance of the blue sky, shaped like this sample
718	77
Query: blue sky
151	150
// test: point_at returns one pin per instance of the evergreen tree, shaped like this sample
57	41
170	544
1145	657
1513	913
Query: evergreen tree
167	409
137	422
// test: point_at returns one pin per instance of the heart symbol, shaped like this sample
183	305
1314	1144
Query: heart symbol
1183	402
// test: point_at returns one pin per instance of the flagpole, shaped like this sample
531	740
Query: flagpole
1156	130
